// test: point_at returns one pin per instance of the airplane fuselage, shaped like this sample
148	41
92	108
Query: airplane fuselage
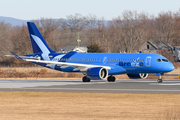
131	62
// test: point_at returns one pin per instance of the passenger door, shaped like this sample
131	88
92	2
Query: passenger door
148	61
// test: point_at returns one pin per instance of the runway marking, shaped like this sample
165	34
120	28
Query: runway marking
92	89
164	84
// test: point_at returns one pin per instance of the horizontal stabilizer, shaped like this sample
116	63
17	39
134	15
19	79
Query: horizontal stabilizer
24	57
19	58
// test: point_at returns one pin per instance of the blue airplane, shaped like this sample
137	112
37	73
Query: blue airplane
95	66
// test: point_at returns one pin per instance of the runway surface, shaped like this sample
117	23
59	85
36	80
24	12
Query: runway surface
120	86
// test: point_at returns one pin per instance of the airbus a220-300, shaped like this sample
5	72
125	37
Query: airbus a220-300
95	66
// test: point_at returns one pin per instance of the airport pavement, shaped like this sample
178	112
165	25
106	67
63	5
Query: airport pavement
120	86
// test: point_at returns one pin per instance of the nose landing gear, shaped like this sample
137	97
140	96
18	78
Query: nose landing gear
160	77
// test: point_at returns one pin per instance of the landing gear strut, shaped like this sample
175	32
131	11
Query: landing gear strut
160	78
111	79
86	79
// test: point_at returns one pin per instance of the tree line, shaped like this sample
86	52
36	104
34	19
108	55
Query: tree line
124	33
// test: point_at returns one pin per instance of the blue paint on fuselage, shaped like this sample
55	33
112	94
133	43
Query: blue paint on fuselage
120	63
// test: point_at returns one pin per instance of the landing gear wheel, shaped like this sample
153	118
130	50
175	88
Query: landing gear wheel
111	79
159	80
86	79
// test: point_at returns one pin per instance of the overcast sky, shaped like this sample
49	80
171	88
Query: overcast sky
34	9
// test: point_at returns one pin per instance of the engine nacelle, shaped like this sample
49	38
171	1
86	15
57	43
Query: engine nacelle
138	76
97	73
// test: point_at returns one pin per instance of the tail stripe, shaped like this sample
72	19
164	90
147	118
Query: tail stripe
38	41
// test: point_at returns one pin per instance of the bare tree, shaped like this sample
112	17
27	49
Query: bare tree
5	42
176	34
163	27
130	31
77	22
21	40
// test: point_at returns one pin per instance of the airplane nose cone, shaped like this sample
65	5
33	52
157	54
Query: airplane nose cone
170	68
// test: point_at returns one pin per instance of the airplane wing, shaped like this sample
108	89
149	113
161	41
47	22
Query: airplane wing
77	66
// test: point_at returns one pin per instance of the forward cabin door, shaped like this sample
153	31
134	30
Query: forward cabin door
148	61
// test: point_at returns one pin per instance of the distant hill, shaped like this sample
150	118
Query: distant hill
13	21
19	22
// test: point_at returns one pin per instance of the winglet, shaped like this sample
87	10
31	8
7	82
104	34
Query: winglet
16	56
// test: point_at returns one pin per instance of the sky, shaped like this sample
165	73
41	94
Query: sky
109	9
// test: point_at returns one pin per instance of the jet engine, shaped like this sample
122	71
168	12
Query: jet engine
97	73
138	76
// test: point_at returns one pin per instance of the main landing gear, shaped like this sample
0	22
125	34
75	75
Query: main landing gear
111	79
86	79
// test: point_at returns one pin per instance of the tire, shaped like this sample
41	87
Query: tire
86	79
111	79
159	80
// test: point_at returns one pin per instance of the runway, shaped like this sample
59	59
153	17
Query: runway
120	86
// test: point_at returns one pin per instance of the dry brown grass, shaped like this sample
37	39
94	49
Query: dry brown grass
86	106
41	72
34	72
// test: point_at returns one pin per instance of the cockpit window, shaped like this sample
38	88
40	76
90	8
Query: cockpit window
164	60
158	60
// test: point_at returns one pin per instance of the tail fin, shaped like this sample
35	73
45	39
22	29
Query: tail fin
39	45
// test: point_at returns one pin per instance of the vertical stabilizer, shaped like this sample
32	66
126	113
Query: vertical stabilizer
39	45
